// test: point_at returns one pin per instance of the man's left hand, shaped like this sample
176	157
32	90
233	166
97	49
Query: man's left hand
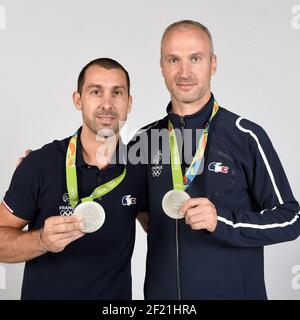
200	213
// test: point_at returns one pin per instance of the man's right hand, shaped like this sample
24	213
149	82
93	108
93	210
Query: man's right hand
59	231
22	158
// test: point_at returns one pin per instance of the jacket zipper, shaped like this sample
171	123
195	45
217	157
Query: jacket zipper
177	235
177	258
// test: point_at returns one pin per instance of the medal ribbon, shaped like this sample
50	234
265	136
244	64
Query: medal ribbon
71	174
181	182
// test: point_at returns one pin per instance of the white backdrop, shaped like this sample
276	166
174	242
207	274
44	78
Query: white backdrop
44	45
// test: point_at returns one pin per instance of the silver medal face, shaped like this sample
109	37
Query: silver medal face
92	215
172	201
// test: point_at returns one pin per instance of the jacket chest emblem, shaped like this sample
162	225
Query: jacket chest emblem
156	169
218	168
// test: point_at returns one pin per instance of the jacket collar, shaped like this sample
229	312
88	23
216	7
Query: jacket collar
193	121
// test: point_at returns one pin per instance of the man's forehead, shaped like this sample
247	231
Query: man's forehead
179	42
99	75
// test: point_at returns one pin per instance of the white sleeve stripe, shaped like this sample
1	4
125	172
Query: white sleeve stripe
263	156
258	226
7	207
263	211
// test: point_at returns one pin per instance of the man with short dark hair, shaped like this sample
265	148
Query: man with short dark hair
79	200
230	190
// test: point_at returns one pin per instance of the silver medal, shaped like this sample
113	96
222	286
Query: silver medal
172	201
92	215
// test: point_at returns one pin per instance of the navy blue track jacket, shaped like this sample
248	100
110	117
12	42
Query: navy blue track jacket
243	177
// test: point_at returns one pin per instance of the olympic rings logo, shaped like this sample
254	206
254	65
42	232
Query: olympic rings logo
156	171
66	212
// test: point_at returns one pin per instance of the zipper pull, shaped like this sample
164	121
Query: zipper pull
181	118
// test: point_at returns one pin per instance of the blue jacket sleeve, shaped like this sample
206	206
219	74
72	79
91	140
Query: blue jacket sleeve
277	219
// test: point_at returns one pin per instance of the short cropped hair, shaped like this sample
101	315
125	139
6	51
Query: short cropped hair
106	63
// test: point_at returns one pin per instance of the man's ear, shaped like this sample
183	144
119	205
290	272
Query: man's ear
161	68
77	100
213	64
129	104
